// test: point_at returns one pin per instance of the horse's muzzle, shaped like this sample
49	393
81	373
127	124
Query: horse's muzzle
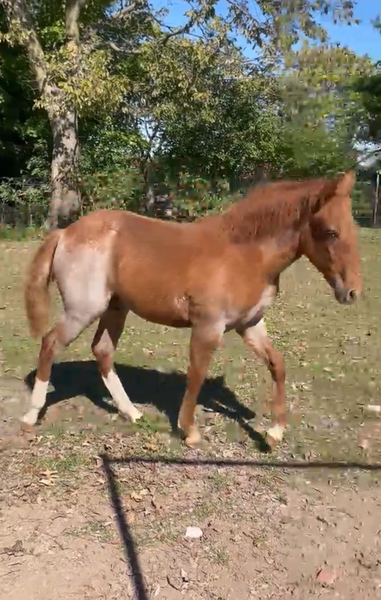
346	295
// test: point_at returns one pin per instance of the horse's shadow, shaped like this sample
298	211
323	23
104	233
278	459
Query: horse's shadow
145	386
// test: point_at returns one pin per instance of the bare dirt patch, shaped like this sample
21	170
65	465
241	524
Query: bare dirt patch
266	534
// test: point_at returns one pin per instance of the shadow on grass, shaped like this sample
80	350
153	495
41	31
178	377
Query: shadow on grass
146	386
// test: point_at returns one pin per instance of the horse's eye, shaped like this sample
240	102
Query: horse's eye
331	233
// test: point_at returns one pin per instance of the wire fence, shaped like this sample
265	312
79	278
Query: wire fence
22	216
24	203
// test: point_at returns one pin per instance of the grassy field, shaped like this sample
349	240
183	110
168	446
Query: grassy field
333	372
332	355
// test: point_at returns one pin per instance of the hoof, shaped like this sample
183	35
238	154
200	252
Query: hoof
193	439
26	427
136	417
274	435
270	441
133	418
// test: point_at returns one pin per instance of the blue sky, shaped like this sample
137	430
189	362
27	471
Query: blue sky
363	38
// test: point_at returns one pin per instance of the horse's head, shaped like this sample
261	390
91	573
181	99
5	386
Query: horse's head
330	241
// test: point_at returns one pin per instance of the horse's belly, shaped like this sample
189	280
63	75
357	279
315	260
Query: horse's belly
162	318
170	312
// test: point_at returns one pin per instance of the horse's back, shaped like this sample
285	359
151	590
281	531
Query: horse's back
147	263
152	265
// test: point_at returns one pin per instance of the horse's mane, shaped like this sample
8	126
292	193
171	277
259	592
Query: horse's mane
271	207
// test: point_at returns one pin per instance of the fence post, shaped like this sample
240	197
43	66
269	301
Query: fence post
376	200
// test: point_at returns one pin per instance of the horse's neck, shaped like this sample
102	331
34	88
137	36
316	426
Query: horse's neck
275	252
279	252
264	215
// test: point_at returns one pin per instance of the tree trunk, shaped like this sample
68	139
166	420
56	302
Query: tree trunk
65	198
63	120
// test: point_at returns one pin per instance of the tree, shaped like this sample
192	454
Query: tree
20	125
322	111
196	100
369	88
199	111
231	130
69	77
87	55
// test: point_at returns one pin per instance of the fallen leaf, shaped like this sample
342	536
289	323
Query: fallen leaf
48	474
156	504
15	549
148	352
363	443
130	518
151	447
173	583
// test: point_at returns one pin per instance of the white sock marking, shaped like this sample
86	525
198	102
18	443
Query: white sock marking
117	391
38	400
276	432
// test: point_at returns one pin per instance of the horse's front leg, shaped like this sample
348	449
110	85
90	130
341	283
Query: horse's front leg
257	339
204	340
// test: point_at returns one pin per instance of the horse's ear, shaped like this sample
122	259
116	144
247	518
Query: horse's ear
340	186
345	184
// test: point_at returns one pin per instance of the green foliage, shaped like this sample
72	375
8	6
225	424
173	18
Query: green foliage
23	192
189	197
235	129
195	196
322	110
18	233
318	85
178	106
110	146
112	189
23	130
314	151
369	88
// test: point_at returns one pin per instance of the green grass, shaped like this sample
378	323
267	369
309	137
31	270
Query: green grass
217	554
19	233
63	465
332	355
94	530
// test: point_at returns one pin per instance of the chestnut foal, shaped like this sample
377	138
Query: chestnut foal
214	275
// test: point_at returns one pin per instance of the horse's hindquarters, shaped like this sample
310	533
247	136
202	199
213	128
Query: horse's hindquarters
82	276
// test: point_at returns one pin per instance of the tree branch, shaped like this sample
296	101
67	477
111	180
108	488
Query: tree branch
178	31
72	12
124	12
19	18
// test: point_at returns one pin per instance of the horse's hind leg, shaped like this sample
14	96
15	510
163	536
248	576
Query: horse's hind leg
257	340
68	328
105	341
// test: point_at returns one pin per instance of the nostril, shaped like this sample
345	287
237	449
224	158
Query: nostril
353	295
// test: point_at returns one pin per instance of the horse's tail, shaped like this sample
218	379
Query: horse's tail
37	300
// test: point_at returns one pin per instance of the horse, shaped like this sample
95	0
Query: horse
213	275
